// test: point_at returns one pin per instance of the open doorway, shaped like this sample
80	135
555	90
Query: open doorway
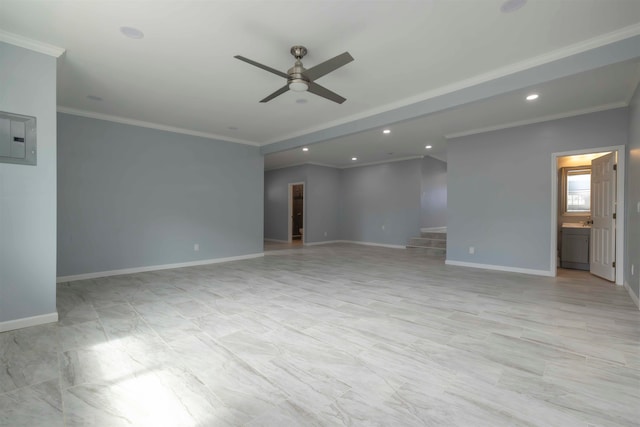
588	212
296	213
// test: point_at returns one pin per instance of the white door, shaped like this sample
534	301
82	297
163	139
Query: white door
603	208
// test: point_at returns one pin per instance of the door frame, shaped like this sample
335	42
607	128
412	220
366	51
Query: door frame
290	211
620	206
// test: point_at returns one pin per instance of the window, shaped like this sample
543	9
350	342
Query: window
577	190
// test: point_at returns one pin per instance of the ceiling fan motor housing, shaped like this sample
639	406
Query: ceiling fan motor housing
297	81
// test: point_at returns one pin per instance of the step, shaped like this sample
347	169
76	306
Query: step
428	242
428	251
434	235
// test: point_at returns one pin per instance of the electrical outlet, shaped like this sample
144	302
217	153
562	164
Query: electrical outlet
472	250
325	234
196	247
633	267
638	207
383	228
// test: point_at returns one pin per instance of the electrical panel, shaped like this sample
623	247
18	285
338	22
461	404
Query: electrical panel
17	139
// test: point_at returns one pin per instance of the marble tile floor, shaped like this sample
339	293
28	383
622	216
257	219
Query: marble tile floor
334	335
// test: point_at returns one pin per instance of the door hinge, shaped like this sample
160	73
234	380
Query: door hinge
614	264
615	167
614	215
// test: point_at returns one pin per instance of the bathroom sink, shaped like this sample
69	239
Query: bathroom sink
574	225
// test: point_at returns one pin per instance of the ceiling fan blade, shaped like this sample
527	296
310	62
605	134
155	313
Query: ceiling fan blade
279	92
264	67
328	66
325	93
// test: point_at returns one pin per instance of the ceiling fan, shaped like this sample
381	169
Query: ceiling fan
299	79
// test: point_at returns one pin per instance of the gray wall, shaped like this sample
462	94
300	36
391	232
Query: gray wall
381	195
134	197
433	196
499	187
633	196
321	203
28	193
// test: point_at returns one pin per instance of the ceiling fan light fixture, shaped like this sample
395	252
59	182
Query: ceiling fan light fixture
298	85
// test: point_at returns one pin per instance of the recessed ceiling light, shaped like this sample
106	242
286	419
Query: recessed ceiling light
354	158
132	33
428	147
94	97
510	6
532	97
386	131
305	149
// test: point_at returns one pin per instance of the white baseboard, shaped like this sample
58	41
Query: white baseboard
546	273
26	322
356	242
326	242
382	245
275	240
98	274
633	295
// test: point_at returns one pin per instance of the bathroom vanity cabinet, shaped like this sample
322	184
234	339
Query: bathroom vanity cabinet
575	247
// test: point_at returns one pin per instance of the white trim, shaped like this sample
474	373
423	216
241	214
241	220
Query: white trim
150	125
357	242
382	245
275	240
326	242
433	229
134	270
558	54
300	164
620	206
565	115
290	210
31	44
501	268
26	322
401	159
633	295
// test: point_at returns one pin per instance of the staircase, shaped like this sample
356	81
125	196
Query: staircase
430	242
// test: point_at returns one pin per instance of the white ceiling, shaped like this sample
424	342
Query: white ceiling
182	74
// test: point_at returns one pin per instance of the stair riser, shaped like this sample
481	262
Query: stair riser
428	243
429	251
434	235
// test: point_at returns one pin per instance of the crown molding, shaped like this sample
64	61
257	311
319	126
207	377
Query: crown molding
549	57
539	120
34	45
380	162
150	125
